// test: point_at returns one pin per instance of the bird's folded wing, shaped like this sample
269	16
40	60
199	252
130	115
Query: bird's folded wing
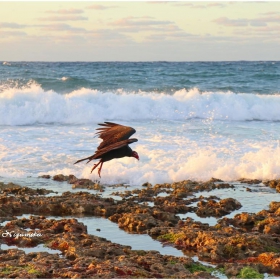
112	133
114	146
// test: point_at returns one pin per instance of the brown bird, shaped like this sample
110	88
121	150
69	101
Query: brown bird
114	145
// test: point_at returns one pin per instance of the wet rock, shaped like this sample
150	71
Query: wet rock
147	184
134	217
247	239
82	183
67	203
264	221
270	260
217	209
223	186
60	178
45	176
134	222
250	181
268	225
87	256
244	271
275	184
274	206
216	243
244	219
162	186
148	192
72	179
173	204
14	189
215	180
167	218
272	227
232	269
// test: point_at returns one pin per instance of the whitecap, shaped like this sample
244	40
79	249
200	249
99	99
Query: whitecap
32	104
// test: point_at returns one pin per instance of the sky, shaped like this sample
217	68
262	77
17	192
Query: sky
139	31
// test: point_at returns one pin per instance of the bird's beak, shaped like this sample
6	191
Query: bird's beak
136	155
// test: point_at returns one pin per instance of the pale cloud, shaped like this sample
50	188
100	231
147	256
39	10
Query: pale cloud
261	21
144	21
66	11
185	37
169	36
196	6
255	2
182	4
162	30
157	29
191	5
158	2
147	28
275	18
135	25
259	34
5	34
11	25
62	27
231	22
70	39
100	7
63	18
270	13
108	36
256	22
266	31
217	4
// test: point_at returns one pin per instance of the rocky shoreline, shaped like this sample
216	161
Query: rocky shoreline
245	246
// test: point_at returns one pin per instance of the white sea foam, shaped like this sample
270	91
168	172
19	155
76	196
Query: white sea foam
64	78
164	155
201	165
137	173
34	105
187	135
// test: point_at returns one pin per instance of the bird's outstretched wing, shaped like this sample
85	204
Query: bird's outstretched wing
112	133
107	149
113	146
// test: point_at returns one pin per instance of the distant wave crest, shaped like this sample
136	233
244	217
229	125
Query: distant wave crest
32	104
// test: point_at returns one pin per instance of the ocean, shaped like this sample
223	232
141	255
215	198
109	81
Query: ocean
193	120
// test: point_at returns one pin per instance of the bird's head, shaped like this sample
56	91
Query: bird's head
135	155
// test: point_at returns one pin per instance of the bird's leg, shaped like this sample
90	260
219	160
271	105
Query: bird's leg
95	166
99	170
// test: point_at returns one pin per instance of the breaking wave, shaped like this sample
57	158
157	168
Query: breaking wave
31	105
